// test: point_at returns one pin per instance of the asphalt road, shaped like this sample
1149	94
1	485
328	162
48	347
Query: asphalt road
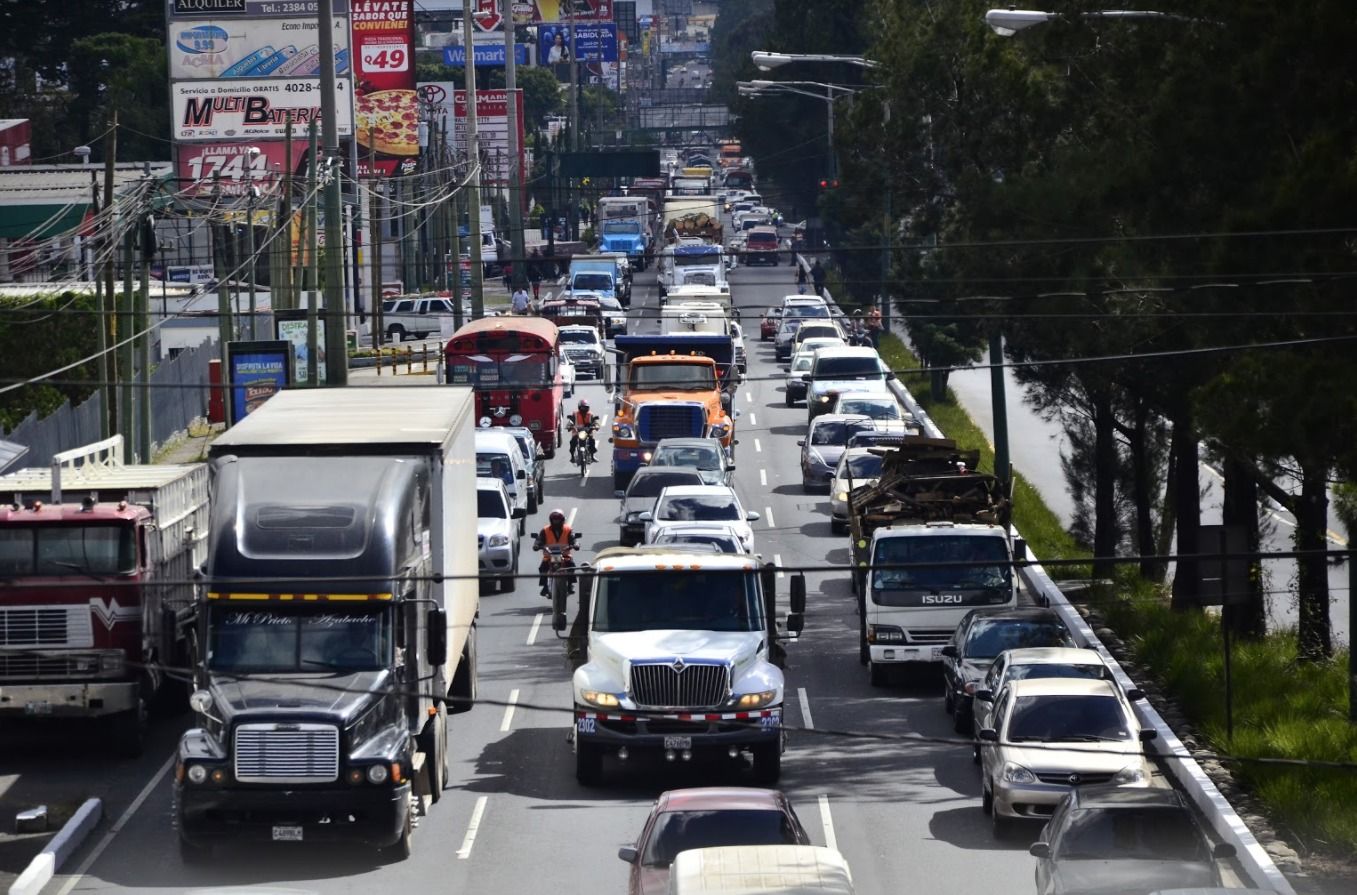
514	817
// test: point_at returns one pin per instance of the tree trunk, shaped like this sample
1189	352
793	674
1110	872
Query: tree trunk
1187	500
1314	632
1247	618
937	383
1142	496
1105	522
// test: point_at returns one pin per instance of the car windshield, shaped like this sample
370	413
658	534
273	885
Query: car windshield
1037	670
609	303
51	550
990	637
806	310
789	327
702	457
687	377
836	432
982	565
523	445
677	831
877	410
291	638
697	600
494	466
651	484
724	543
698	508
1077	718
1152	834
802	363
579	336
865	466
597	281
489	505
848	368
483	372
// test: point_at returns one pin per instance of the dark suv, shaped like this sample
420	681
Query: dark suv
979	639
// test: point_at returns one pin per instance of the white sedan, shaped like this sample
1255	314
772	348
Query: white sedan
683	504
567	374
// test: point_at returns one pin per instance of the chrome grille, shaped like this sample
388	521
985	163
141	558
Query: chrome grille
287	753
48	666
940	636
67	626
675	684
1063	778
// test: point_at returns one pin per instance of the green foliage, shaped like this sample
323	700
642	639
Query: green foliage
541	95
37	335
437	71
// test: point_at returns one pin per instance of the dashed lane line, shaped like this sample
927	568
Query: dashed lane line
777	561
508	720
805	708
536	626
827	821
758	446
763	478
470	839
768	514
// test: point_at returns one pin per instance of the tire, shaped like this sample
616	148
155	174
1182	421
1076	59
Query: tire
876	673
986	799
588	764
510	581
464	688
790	400
433	742
402	848
1005	828
127	730
961	721
947	703
194	853
532	503
767	763
837	527
395	332
620	481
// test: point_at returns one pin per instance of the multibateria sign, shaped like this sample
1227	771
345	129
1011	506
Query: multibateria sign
253	109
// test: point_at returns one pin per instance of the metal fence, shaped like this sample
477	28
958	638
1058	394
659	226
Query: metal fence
178	396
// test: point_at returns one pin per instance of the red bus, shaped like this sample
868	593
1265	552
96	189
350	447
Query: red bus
513	365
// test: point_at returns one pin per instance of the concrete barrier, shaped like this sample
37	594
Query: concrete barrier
42	868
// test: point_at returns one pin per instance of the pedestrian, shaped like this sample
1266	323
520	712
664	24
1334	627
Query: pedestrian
801	276
874	327
817	276
535	273
519	304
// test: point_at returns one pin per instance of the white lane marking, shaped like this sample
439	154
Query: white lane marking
508	721
827	820
1332	536
763	478
805	708
749	396
777	561
117	827
536	624
570	520
584	478
476	814
757	446
768	514
753	420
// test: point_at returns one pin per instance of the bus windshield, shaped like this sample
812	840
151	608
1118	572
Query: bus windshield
484	372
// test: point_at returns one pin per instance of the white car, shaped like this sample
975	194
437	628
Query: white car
585	349
722	538
567	373
870	404
614	315
498	456
700	503
497	538
737	337
864	464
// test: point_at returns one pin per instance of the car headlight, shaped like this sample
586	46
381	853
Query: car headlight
842	496
756	700
1016	773
1129	775
824	399
599	698
498	541
624	430
815	457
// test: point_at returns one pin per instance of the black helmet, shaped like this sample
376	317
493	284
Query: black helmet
557	515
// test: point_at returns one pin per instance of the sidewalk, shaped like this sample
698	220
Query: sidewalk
190	446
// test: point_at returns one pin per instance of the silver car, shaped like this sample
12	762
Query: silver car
1032	663
857	467
704	455
825	442
496	534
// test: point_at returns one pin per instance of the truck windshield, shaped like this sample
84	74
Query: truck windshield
621	228
579	336
705	259
717	600
308	638
685	377
482	372
982	584
50	550
848	368
599	282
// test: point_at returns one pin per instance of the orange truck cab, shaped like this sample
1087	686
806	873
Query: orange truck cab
676	385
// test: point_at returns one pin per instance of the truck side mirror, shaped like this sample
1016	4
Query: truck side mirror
796	623
521	474
949	651
436	637
798	594
984	695
1019	549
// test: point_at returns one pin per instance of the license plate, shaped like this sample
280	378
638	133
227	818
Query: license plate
937	652
287	834
678	742
37	708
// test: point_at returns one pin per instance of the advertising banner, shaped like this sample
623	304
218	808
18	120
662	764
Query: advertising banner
243	109
244	8
292	328
200	163
386	107
552	11
486	55
492	120
593	43
256	372
252	48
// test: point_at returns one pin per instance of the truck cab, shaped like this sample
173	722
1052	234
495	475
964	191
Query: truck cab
692	265
677	651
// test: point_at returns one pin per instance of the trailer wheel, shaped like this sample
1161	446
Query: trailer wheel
767	763
464	688
588	764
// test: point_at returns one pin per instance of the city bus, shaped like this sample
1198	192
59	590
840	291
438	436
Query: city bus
513	365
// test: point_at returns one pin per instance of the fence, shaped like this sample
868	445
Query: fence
178	395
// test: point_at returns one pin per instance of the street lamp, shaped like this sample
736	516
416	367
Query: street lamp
1008	22
766	61
832	92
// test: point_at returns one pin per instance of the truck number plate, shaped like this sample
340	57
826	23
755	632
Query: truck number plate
678	742
37	708
287	834
770	722
587	725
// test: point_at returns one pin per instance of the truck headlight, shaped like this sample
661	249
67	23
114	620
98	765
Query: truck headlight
1016	773
756	700
200	701
377	773
842	497
718	430
599	698
197	774
885	634
1129	775
624	430
498	541
823	399
516	420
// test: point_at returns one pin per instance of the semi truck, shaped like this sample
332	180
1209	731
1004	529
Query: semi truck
336	619
672	385
676	650
96	595
930	542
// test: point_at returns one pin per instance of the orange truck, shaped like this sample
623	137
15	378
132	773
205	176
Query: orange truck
675	385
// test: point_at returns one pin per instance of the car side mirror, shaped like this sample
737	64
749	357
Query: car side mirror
798	594
647	516
519	513
436	637
1039	849
800	442
984	695
949	651
987	734
730	467
805	377
1223	850
628	853
752	516
1148	734
521	474
1135	694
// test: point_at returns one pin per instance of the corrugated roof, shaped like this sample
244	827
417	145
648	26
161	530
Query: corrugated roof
62	184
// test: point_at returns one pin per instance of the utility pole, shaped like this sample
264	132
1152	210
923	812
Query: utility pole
285	284
144	339
312	236
571	198
126	409
220	269
336	351
108	367
452	210
251	154
474	157
517	193
375	222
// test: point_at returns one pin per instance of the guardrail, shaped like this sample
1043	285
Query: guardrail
1185	772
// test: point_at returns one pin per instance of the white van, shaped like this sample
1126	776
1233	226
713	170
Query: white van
694	317
755	869
498	456
694	293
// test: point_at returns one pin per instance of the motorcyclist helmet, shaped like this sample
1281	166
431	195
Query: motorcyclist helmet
557	516
584	405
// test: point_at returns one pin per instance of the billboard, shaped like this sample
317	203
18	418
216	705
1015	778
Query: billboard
492	124
250	8
527	12
205	166
249	109
257	371
486	55
252	48
593	43
386	107
15	134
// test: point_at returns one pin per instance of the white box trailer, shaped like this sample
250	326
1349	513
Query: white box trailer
760	870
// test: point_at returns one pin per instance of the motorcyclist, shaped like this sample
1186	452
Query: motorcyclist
556	533
583	421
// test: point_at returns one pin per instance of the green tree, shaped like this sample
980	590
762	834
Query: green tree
119	72
541	96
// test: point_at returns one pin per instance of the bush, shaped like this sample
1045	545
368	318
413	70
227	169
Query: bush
42	334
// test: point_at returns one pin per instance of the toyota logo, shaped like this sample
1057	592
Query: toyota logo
1074	779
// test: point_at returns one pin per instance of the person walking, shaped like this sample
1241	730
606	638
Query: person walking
874	326
817	276
801	277
535	274
519	304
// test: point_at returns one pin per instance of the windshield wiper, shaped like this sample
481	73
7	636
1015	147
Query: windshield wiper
329	666
77	567
1083	738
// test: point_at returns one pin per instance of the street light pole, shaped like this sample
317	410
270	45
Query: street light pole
474	169
516	186
250	155
336	352
1008	22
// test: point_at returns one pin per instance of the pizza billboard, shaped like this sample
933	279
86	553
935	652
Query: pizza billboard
386	106
252	48
253	109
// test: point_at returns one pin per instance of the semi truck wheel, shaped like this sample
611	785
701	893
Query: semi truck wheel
433	742
767	763
588	764
402	848
876	673
464	688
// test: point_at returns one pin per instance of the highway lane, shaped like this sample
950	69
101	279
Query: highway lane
898	811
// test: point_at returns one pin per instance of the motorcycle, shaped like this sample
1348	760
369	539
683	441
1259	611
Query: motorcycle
585	448
560	573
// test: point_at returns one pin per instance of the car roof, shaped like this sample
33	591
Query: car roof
492	436
698	528
1061	686
688	442
485	483
578	327
1017	613
847	418
1098	796
698	798
1053	655
698	491
870	397
849	352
